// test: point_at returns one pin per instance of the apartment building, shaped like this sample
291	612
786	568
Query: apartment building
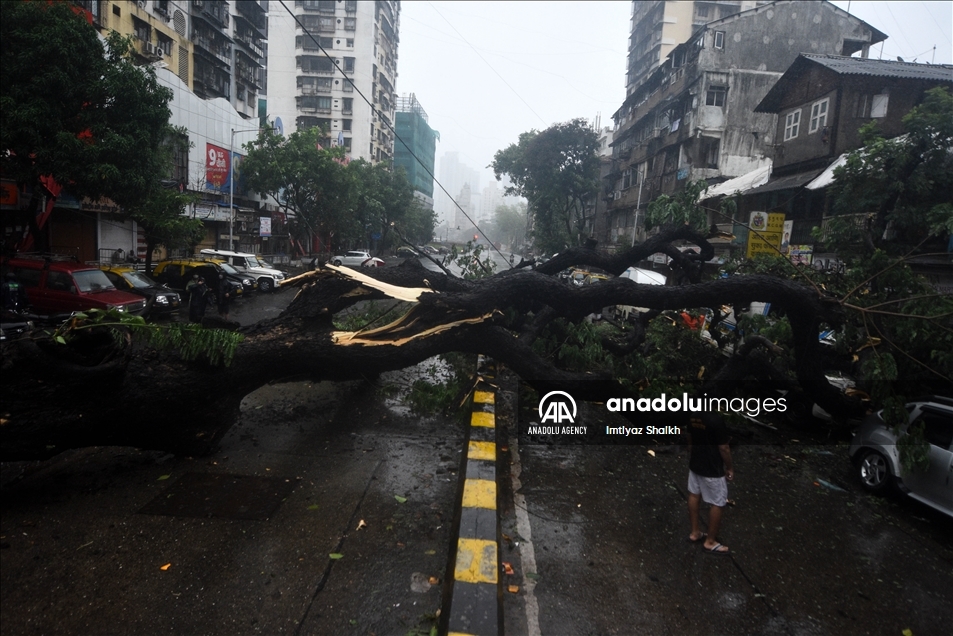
658	27
333	64
416	149
694	116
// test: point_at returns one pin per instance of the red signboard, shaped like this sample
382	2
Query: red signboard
217	167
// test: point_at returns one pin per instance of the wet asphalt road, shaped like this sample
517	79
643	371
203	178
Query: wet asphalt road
605	530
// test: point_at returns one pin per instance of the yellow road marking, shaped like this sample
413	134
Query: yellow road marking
476	561
485	420
479	493
484	397
482	450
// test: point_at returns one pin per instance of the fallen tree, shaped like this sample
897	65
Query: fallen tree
97	389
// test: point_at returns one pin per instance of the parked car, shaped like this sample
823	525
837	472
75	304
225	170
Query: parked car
427	249
268	277
357	258
405	252
248	282
160	300
14	325
177	272
875	454
63	286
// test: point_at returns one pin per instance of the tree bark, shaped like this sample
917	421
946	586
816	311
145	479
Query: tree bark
99	392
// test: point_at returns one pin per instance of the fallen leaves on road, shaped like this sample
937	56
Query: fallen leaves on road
163	477
400	499
651	452
507	568
336	555
513	589
361	524
165	567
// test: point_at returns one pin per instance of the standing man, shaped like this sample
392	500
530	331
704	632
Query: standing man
709	470
224	295
198	299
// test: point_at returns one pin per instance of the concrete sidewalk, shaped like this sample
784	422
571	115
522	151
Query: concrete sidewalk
119	541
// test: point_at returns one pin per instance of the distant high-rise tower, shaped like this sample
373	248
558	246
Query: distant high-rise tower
417	156
312	52
453	175
658	27
463	211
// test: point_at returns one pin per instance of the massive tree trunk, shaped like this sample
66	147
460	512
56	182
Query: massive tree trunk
99	391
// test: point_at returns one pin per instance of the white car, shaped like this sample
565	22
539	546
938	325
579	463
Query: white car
356	258
268	277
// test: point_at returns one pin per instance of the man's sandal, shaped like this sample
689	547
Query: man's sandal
716	550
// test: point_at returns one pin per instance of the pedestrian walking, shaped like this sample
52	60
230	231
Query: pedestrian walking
224	296
198	300
709	471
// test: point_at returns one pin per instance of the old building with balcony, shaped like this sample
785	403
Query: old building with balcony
694	116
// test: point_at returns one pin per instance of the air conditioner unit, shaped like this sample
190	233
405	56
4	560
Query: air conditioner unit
617	195
159	52
148	48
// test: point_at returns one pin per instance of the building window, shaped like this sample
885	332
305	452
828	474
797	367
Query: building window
346	125
349	42
326	24
347	107
141	29
350	24
715	96
627	179
819	115
719	39
878	105
701	11
792	122
711	148
349	65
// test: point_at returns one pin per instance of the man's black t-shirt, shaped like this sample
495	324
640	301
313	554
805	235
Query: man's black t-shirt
707	431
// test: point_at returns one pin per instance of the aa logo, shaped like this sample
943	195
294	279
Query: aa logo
557	407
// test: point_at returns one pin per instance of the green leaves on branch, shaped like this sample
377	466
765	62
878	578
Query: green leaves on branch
193	342
557	171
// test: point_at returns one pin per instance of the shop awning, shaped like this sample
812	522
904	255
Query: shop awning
740	184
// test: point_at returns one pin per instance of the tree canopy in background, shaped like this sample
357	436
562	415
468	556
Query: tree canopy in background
557	172
346	201
895	194
76	110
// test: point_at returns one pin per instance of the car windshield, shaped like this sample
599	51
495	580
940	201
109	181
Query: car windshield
254	261
138	279
92	280
229	269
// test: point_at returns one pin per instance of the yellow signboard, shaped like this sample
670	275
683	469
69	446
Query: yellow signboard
764	234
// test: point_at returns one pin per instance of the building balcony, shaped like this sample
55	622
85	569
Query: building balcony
251	44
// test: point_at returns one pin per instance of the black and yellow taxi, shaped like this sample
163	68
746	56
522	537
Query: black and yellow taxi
160	300
177	272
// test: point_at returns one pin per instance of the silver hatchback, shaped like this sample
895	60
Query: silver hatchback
874	452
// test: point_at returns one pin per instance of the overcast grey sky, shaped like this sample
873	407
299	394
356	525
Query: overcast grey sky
487	71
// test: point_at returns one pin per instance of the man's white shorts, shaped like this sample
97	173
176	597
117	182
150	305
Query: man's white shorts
714	490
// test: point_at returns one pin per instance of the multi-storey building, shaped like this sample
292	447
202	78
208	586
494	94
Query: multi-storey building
658	27
416	148
334	65
216	48
694	116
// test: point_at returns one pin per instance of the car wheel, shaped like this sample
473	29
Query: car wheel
265	285
337	262
874	471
